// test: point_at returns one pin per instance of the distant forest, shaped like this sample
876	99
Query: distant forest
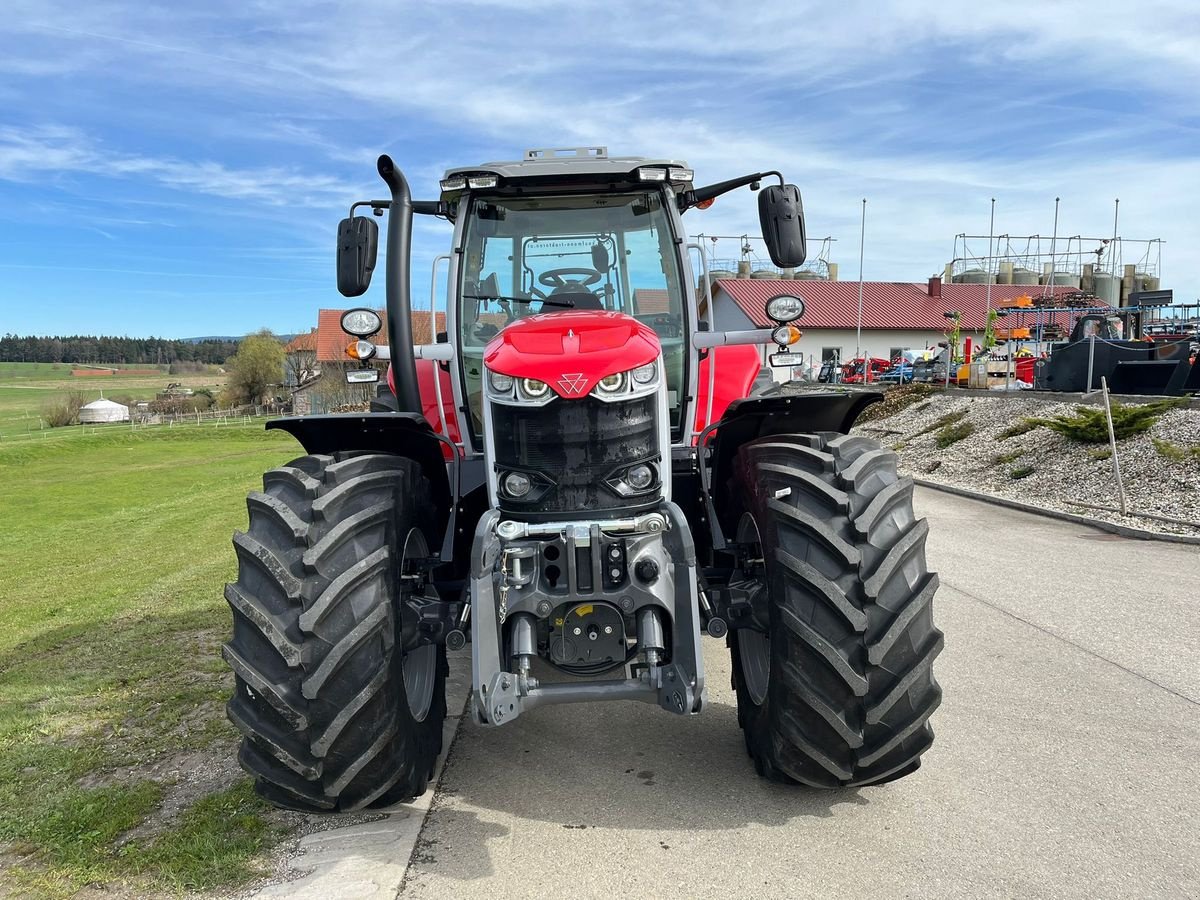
105	350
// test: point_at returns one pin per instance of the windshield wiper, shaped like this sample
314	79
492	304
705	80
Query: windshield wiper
565	304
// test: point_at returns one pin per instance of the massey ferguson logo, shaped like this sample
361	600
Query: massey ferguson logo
572	384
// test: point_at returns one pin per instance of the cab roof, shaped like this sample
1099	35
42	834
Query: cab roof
572	162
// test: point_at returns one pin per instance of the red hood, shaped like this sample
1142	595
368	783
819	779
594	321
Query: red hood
571	351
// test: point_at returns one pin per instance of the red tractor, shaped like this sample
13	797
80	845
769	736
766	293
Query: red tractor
578	478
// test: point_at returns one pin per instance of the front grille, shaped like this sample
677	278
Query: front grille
573	446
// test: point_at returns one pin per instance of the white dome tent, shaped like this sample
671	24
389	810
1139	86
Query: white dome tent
101	411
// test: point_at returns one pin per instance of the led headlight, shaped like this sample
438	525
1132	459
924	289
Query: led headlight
362	323
645	374
454	183
639	477
500	383
611	384
534	389
785	308
517	484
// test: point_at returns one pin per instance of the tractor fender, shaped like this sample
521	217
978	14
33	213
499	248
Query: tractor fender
399	433
754	417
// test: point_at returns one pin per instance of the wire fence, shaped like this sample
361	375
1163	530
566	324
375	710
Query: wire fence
235	417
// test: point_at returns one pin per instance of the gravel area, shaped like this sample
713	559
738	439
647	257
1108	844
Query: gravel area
1044	468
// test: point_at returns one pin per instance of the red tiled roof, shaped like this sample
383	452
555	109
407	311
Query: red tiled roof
886	304
651	301
331	341
302	342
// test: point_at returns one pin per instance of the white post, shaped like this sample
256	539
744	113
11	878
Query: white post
861	238
1112	250
1112	445
991	233
1046	288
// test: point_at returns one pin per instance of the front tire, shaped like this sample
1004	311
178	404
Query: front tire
835	684
335	714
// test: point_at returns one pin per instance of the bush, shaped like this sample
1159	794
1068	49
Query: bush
1174	452
1088	425
943	422
63	411
1022	427
952	434
1100	453
1021	472
1001	459
896	399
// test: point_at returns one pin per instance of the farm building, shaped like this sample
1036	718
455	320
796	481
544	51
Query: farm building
896	316
101	411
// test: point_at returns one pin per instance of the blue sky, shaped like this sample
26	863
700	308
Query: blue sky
180	171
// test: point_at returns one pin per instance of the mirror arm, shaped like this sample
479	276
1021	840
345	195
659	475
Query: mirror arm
688	199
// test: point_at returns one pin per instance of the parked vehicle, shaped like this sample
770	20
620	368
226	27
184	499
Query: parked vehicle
864	370
583	487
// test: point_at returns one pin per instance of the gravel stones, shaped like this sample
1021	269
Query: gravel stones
1064	473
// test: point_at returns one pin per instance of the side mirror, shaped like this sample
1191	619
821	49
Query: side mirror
600	260
781	214
357	248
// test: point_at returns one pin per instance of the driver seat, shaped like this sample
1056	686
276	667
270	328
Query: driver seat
580	296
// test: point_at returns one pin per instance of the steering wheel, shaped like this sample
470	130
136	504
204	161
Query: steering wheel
556	278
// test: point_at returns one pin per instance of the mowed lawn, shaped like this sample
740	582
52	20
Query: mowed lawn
113	552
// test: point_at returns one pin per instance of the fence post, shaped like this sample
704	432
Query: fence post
1112	445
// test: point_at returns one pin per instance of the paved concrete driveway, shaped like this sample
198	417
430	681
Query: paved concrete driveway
1067	760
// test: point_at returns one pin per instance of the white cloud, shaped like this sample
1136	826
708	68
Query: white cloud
927	108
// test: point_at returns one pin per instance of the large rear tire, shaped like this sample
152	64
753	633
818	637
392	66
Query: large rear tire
335	715
835	686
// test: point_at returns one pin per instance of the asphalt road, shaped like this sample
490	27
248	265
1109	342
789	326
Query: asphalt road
1067	759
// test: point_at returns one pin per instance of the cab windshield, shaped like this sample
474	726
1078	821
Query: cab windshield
533	255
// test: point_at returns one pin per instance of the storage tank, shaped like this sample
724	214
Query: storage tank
974	276
743	269
808	275
1065	279
100	411
1106	288
1021	275
1005	275
765	275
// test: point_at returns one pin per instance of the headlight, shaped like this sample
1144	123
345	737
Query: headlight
645	374
362	323
611	384
517	484
534	389
500	383
785	308
640	477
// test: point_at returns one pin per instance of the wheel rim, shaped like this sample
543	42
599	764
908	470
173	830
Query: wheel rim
754	647
419	666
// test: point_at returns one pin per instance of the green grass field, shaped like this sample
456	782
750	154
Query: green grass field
113	551
25	389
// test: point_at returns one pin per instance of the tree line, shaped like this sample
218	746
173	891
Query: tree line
106	350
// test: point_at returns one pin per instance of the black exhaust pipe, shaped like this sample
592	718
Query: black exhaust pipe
399	299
